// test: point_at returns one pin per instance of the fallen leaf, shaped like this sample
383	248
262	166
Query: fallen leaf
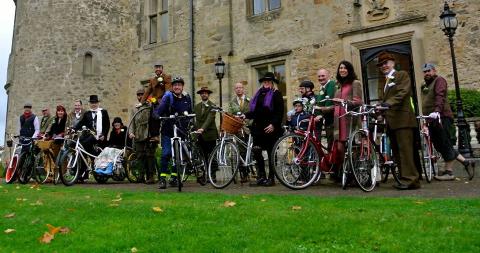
296	208
35	221
34	186
263	200
457	179
38	203
18	187
229	204
428	213
5	190
134	250
64	230
466	182
87	197
1	187
245	196
9	231
52	229
70	209
46	238
119	196
114	205
10	215
21	199
117	200
419	202
157	209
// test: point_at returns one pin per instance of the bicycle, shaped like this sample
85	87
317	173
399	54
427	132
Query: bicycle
387	164
427	152
73	155
186	155
45	165
225	160
26	160
300	157
12	169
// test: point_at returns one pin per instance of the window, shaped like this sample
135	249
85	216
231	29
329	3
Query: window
157	20
260	6
278	69
88	64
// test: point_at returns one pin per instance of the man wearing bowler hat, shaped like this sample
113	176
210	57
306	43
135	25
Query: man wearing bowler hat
400	119
205	122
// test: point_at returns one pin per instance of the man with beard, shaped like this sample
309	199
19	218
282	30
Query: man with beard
435	105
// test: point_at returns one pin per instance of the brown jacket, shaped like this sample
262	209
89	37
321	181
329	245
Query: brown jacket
434	97
398	96
157	89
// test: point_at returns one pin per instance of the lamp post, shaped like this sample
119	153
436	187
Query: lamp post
220	72
449	24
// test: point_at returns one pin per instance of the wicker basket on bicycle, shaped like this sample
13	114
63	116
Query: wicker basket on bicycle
230	124
44	145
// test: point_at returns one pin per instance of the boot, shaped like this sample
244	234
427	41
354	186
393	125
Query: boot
162	183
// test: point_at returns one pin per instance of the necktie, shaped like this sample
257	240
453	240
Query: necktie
241	104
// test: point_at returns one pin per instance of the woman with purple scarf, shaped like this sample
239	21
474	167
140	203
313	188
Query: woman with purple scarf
266	110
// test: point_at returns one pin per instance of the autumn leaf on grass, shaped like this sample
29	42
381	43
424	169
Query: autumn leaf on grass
245	196
117	200
35	186
52	229
35	221
119	196
263	200
38	203
21	199
9	231
418	202
64	230
134	250
46	238
229	203
296	208
87	197
157	209
18	187
10	215
114	205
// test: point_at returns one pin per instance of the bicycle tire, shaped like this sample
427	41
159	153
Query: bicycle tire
68	167
133	169
178	164
11	173
345	172
291	172
223	164
101	179
363	160
199	165
39	167
26	167
426	151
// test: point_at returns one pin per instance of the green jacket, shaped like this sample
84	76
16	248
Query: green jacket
234	106
205	119
329	90
45	123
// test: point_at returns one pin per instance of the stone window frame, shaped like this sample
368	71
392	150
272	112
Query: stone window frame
157	19
88	62
267	9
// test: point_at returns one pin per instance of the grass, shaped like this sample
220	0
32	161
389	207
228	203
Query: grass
257	223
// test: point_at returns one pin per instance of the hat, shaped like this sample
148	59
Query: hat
27	105
204	89
141	91
44	108
383	57
178	80
307	84
297	101
158	63
428	66
117	120
93	99
269	76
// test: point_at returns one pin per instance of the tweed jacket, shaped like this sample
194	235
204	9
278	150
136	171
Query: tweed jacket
398	95
205	119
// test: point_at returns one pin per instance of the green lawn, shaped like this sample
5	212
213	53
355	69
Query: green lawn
103	220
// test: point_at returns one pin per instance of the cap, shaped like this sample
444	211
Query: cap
27	105
428	66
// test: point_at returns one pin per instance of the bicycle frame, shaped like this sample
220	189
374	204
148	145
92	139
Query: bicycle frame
80	151
247	161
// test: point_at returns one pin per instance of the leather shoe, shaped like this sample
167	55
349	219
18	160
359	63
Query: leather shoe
269	182
259	182
412	186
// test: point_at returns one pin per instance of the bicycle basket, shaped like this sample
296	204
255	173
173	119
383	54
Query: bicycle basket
44	145
230	124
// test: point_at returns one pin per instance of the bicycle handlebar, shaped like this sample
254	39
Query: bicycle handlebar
176	115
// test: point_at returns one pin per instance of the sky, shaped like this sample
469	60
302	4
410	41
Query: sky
7	17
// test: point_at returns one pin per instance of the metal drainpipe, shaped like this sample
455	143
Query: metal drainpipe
230	54
192	51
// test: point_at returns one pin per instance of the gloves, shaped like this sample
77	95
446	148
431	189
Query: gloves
434	115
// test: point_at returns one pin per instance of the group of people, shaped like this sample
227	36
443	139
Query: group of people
264	112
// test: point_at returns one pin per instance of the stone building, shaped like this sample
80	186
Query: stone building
68	49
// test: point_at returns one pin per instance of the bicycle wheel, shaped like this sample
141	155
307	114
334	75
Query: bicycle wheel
426	152
199	165
26	167
178	164
223	164
69	168
11	173
100	178
41	167
345	172
133	168
363	160
296	162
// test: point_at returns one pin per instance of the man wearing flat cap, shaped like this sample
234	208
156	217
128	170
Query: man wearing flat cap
140	131
205	122
28	123
400	119
435	105
46	120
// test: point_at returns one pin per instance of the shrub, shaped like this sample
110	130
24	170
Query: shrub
470	99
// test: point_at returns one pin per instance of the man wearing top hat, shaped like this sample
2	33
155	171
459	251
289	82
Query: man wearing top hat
29	125
97	120
400	119
205	122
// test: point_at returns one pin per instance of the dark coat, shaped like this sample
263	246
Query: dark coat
205	119
117	140
262	117
398	97
88	121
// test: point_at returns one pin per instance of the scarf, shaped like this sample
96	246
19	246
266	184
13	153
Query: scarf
267	101
98	124
27	115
